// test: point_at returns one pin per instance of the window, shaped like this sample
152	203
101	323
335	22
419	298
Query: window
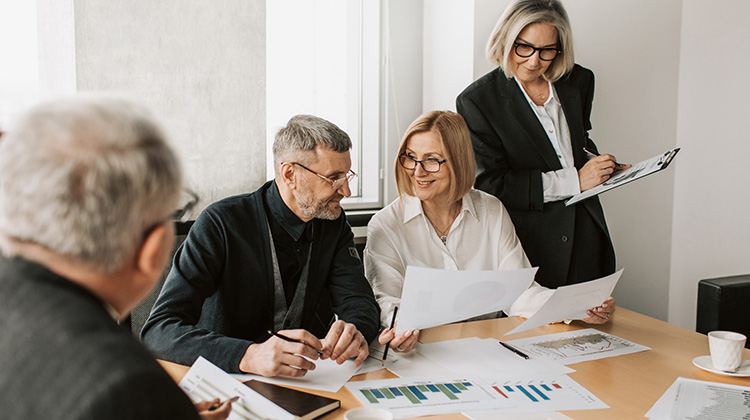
323	58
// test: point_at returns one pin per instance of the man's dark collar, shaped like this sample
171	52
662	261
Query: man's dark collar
284	216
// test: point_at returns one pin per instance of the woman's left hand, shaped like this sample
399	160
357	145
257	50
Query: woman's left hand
601	314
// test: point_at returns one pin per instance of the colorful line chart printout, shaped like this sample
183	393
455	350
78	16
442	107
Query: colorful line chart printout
410	397
577	346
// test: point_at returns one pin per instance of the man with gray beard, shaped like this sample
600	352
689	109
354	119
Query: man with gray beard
269	261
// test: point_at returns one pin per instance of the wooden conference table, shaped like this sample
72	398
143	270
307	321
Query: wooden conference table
629	384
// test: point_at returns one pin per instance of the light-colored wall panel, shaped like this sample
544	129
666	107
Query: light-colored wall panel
200	66
711	227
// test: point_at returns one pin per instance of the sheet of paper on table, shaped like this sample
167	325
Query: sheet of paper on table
327	376
530	393
421	396
432	297
576	346
487	359
205	381
571	302
701	400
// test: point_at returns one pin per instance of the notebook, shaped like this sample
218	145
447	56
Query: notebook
302	405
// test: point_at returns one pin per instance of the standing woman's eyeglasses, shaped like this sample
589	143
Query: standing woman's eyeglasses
526	50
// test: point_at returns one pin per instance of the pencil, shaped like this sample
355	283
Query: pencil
592	153
388	344
291	340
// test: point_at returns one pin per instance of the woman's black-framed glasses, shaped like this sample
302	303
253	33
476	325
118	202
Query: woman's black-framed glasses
526	50
335	183
429	164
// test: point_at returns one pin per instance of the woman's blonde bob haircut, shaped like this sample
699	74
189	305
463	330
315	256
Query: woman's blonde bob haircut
520	14
454	137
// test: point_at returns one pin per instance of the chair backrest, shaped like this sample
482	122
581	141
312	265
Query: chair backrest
140	313
723	305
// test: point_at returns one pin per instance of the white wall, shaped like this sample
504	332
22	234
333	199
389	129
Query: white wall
711	227
199	67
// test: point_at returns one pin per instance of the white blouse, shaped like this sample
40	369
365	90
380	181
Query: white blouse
563	183
481	238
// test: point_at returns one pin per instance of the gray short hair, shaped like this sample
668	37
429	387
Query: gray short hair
520	14
302	134
85	177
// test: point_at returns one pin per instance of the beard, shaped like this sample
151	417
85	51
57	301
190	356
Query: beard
315	208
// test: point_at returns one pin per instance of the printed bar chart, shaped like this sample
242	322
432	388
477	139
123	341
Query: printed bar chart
550	393
416	394
408	397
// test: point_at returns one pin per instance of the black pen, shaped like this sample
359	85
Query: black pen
592	153
514	350
388	344
292	340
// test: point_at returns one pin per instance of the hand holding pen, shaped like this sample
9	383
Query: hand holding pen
598	169
404	342
285	353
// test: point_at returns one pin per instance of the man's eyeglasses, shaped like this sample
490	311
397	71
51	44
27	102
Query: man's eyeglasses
429	164
526	50
335	183
181	214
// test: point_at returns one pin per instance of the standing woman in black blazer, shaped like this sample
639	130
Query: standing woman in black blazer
529	123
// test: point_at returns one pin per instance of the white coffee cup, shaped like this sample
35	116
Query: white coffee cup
726	349
368	413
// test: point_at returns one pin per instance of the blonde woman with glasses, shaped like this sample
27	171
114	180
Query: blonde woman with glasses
440	221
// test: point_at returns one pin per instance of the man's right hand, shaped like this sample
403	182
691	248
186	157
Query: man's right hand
279	357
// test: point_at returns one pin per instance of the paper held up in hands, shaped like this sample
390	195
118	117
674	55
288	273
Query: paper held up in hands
432	297
571	302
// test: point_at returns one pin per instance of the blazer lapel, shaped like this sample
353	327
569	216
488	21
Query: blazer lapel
527	122
570	99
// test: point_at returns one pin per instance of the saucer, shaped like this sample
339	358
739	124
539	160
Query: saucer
704	362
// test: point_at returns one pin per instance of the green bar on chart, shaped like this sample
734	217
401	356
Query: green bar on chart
408	394
446	391
370	397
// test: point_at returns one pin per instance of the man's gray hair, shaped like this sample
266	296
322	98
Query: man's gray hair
302	134
86	177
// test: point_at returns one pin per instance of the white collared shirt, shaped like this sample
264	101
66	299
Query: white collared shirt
562	183
481	238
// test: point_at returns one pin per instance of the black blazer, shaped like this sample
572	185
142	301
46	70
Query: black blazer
512	150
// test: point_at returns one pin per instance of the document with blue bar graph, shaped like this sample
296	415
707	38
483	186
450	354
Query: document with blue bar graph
540	393
421	396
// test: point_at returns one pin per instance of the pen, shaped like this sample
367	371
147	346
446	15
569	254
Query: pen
514	350
388	344
592	153
218	404
292	340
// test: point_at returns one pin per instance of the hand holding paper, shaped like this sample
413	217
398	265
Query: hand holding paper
571	302
432	297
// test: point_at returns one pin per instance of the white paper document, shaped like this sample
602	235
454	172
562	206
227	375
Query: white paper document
701	400
433	297
577	346
541	393
205	381
638	170
327	376
435	394
510	415
374	360
487	359
571	302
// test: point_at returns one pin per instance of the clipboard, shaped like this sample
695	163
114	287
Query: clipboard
637	171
